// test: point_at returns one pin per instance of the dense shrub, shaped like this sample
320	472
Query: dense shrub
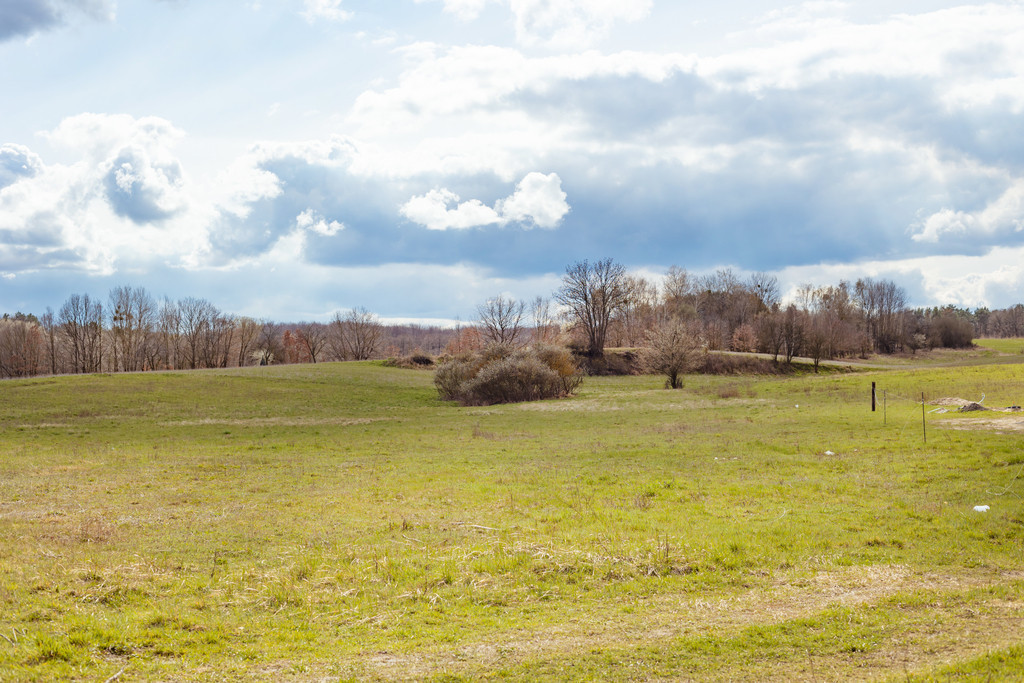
414	361
951	332
502	374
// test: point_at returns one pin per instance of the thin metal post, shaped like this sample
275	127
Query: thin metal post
924	426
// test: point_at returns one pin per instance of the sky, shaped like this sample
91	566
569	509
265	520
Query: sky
286	159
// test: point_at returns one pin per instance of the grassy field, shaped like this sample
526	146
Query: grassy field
1010	346
337	521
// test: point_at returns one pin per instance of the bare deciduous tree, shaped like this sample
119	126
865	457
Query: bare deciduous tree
49	325
637	314
313	338
22	349
883	303
269	348
169	333
248	329
501	319
545	329
356	335
80	321
132	320
770	337
792	331
765	288
674	348
197	319
593	293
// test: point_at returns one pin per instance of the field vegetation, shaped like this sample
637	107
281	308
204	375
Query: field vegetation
340	521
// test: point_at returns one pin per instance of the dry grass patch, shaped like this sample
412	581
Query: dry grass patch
1002	424
277	421
663	621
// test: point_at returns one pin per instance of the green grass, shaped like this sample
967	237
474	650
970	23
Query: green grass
1013	346
339	521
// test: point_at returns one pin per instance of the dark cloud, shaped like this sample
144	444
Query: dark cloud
137	188
19	258
834	171
26	17
329	190
42	230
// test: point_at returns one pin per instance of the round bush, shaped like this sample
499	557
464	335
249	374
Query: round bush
501	374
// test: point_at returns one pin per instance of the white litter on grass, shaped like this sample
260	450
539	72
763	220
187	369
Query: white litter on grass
829	453
981	508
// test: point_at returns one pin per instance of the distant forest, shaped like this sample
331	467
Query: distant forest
131	330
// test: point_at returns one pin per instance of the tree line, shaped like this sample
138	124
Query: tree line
133	331
598	304
602	305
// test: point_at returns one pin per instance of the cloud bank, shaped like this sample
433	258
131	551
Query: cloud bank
500	140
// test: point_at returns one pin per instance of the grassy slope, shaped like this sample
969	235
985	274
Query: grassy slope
338	520
1013	346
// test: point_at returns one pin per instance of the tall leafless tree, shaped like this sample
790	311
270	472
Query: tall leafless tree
357	334
765	287
80	321
169	334
545	330
593	293
501	319
54	359
883	303
197	318
22	349
313	337
132	321
638	311
248	330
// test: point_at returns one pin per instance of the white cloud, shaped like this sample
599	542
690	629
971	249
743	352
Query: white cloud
433	211
994	279
17	162
312	221
572	23
964	51
566	24
325	9
537	201
1005	214
466	10
124	196
481	109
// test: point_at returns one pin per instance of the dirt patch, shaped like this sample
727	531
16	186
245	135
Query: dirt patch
951	402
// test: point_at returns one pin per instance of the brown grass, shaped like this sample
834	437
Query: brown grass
1002	423
657	621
